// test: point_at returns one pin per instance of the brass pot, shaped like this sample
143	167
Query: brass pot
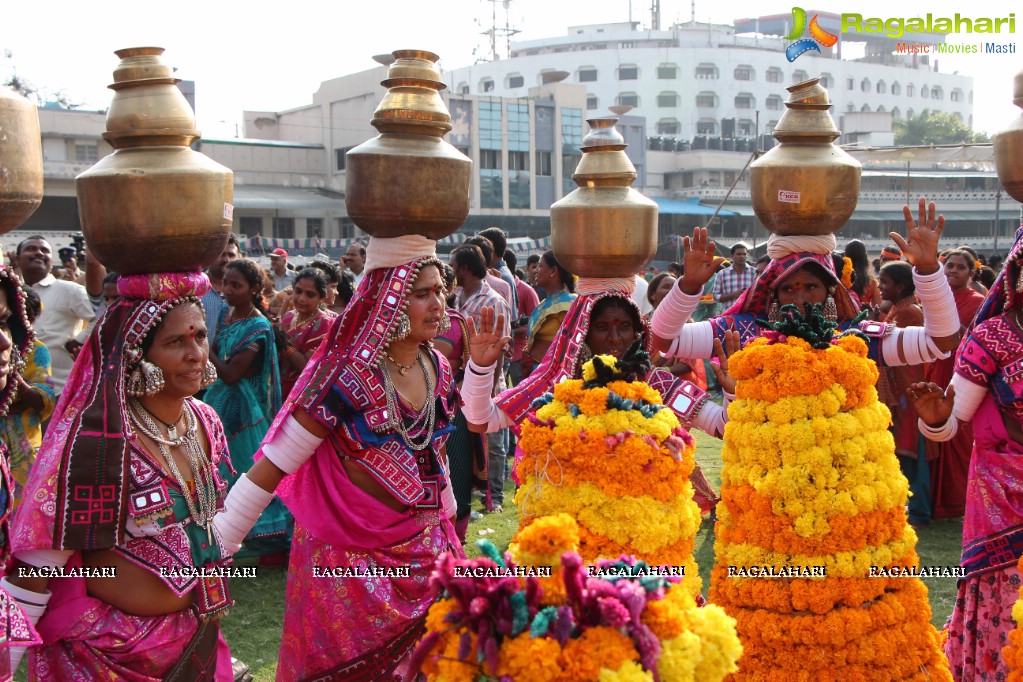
1008	145
806	185
154	205
604	228
21	160
408	180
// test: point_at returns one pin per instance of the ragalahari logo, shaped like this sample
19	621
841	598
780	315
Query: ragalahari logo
818	36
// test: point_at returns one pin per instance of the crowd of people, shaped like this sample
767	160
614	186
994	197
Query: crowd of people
345	415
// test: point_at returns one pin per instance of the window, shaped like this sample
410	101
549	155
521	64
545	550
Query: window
668	126
880	109
896	89
543	163
937	93
518	161
910	90
865	107
798	76
881	88
667	72
706	71
571	140
774	102
865	85
744	72
745	127
251	226
771	125
591	102
626	44
774	75
744	100
340	160
628	73
896	114
314	227
850	84
629	99
587	74
86	153
490	158
490	125
850	107
910	113
827	80
463	88
706	99
284	228
956	95
707	126
487	85
516	81
924	92
668	99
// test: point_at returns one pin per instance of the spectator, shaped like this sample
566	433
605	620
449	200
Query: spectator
69	271
212	302
35	399
545	320
333	275
63	324
864	284
675	270
475	293
282	276
528	301
486	247
355	260
729	283
500	242
889	254
762	263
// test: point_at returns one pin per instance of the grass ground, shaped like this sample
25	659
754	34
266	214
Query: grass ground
253	629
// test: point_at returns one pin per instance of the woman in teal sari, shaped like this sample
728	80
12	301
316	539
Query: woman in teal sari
546	318
247	393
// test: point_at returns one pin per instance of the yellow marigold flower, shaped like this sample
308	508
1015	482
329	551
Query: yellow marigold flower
598	647
528	658
629	672
544	541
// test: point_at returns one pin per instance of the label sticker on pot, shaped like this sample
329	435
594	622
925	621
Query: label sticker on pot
788	197
229	211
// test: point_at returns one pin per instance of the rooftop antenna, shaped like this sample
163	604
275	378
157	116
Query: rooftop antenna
655	15
495	31
692	12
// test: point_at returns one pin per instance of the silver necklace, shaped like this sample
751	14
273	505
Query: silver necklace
202	469
427	417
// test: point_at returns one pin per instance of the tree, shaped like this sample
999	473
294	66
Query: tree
28	90
929	127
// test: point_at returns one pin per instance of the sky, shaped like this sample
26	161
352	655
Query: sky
273	56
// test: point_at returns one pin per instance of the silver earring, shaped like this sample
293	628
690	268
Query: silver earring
444	325
774	312
402	329
209	374
146	379
830	309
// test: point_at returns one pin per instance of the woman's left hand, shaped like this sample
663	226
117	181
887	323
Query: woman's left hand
920	247
486	345
721	353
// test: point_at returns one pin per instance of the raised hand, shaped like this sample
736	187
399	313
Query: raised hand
920	247
721	354
932	404
486	345
700	261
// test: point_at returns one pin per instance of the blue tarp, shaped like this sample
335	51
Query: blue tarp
691	206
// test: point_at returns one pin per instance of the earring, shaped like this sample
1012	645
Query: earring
402	329
585	355
145	379
209	374
774	312
1019	281
444	325
830	309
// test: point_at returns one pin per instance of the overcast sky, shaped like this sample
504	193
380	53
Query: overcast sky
273	56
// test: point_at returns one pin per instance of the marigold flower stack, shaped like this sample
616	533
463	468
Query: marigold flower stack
618	461
810	480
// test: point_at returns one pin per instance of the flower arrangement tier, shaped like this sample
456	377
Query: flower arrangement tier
540	614
1013	651
813	553
606	451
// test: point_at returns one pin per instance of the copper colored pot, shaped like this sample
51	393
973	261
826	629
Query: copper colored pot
1008	146
21	160
408	180
154	205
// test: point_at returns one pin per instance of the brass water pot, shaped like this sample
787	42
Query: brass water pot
21	160
604	228
408	180
155	204
1008	145
806	185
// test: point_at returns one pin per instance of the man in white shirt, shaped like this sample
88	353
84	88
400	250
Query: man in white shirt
64	323
355	260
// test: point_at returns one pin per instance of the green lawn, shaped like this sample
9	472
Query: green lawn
253	628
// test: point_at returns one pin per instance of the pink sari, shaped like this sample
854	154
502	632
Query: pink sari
992	543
